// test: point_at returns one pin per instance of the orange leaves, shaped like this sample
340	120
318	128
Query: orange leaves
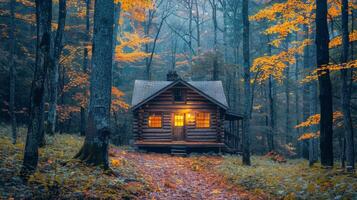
117	100
65	111
135	9
337	41
307	136
129	49
332	67
115	162
274	156
315	119
312	120
275	65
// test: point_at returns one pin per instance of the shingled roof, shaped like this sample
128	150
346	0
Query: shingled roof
146	90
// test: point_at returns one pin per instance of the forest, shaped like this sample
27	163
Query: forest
178	99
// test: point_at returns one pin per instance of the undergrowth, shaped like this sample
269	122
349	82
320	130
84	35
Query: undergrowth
291	180
58	176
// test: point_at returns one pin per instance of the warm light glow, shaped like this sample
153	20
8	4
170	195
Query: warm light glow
155	121
203	120
179	120
190	117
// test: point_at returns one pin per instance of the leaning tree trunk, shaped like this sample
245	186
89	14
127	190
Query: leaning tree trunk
54	74
35	122
95	148
322	53
346	91
12	71
247	90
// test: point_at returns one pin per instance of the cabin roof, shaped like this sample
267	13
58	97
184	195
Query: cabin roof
146	90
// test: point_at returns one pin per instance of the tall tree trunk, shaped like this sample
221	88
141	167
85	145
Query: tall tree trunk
287	108
85	67
306	96
271	98
95	147
247	90
54	73
322	53
215	74
36	112
198	30
12	71
346	91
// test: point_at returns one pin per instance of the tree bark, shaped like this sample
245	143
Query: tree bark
36	112
346	92
54	73
95	147
271	98
247	90
322	53
12	71
85	67
306	97
215	75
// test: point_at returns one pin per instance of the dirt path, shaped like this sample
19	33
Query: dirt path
178	178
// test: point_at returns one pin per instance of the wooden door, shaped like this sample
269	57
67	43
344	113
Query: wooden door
178	126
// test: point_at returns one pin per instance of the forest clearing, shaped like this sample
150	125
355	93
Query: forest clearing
178	99
162	176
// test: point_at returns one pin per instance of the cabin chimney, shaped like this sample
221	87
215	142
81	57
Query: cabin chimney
172	75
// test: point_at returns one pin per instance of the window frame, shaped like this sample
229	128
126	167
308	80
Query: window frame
183	95
209	120
155	115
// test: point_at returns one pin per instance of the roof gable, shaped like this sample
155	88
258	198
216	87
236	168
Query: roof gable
144	91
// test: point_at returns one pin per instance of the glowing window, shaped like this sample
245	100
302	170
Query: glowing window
155	121
203	120
179	120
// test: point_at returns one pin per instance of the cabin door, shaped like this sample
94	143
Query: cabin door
178	126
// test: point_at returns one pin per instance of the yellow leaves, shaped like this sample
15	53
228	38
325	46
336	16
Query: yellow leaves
275	65
129	49
337	41
332	67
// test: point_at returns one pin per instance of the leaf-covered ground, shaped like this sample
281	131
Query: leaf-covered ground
161	176
60	177
173	178
291	180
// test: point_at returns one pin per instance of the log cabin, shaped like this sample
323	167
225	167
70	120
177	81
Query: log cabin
182	115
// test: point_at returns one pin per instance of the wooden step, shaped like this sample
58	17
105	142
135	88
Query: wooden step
178	150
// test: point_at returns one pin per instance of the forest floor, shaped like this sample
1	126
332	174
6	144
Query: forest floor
161	176
184	178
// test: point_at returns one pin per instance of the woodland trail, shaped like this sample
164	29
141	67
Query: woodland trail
179	178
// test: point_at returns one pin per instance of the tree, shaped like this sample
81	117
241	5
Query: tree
12	71
57	48
346	91
36	109
95	147
85	65
322	54
247	90
214	6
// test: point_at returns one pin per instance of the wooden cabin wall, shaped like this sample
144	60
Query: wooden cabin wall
164	104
